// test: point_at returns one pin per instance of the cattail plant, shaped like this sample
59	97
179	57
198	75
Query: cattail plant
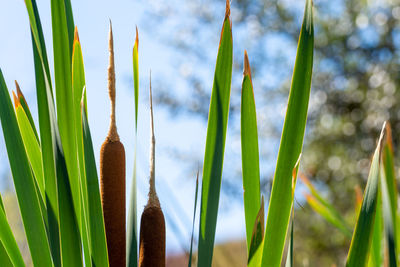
152	223
112	178
56	183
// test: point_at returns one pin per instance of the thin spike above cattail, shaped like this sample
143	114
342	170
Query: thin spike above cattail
153	198
152	223
112	133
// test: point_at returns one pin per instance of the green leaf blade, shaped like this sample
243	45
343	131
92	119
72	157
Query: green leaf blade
78	85
362	235
64	97
250	154
45	105
291	145
97	229
24	182
389	197
10	254
215	146
32	148
132	240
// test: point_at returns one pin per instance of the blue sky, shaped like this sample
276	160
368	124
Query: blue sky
182	132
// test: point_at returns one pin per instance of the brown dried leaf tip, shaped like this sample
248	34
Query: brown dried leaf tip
246	68
19	92
137	38
16	100
227	9
76	35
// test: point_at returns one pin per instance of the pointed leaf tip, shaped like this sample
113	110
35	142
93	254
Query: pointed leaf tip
227	9
137	38
382	135
19	92
76	35
389	139
308	18
16	100
246	68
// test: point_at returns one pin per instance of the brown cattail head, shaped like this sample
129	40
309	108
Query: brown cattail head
152	224
112	180
152	238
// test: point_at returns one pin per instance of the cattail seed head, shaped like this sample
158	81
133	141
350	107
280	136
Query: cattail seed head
112	179
152	224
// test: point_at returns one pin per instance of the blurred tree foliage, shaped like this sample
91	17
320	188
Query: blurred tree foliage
354	89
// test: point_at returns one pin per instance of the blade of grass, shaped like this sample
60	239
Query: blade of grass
64	98
215	144
31	145
25	106
70	24
71	254
24	182
291	145
78	83
45	102
321	206
37	37
250	155
389	197
375	257
328	215
132	243
10	254
135	59
362	235
97	231
194	219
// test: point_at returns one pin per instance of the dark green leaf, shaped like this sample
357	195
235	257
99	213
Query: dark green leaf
215	145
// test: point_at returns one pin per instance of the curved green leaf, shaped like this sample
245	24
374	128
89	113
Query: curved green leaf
32	147
321	206
362	235
24	182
